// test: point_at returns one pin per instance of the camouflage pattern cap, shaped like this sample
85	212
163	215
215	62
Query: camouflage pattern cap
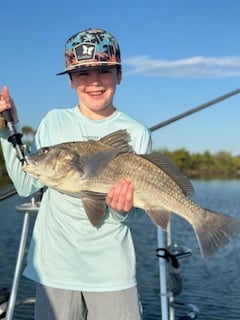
91	48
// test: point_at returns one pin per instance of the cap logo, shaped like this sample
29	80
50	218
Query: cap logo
85	51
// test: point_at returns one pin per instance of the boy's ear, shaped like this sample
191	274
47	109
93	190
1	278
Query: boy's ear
70	80
119	76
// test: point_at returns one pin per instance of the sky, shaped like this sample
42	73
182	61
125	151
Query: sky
176	55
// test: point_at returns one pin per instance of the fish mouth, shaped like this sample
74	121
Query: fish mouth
29	169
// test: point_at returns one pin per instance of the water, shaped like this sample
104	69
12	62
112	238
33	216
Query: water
212	285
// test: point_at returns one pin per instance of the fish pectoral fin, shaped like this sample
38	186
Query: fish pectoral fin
159	216
94	210
99	161
94	205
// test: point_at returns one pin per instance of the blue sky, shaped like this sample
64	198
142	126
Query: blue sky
176	54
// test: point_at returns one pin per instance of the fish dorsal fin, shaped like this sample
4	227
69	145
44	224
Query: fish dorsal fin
170	168
117	139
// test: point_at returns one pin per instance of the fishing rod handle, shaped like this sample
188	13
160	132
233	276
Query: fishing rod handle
15	137
7	115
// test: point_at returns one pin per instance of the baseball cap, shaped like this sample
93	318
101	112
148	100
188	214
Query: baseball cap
94	48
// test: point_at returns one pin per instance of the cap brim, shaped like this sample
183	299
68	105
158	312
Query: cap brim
89	67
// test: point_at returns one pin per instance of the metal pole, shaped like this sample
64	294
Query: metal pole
171	298
18	268
27	208
163	276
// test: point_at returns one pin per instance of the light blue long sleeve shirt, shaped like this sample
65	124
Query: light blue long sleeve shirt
66	251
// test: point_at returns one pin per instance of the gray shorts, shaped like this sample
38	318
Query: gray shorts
60	304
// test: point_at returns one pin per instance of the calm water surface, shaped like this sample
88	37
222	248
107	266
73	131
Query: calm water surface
212	285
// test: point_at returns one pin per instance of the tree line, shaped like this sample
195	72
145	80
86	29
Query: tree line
207	165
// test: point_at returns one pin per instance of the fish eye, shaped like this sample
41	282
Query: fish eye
44	150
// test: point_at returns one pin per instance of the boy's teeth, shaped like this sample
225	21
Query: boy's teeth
96	93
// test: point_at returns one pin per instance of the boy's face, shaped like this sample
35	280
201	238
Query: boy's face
95	90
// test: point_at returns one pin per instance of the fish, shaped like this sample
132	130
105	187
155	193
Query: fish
88	169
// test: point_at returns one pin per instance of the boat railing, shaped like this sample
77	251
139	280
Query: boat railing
169	255
9	302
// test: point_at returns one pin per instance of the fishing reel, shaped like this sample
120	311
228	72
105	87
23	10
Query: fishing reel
172	255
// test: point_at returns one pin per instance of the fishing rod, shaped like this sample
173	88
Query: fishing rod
16	141
15	137
193	110
8	194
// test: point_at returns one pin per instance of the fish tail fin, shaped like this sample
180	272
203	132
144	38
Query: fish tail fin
215	231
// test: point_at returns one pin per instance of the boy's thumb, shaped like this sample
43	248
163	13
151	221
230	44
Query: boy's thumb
5	92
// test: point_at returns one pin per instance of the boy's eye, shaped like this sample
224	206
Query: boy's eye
105	71
82	74
88	73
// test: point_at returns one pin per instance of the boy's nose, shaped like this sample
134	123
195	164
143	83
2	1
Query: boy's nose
94	77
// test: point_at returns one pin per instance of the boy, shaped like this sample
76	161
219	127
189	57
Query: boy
82	272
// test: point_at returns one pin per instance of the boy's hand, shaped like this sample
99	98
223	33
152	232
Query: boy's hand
120	196
6	102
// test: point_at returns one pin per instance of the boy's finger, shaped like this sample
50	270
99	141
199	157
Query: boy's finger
5	92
